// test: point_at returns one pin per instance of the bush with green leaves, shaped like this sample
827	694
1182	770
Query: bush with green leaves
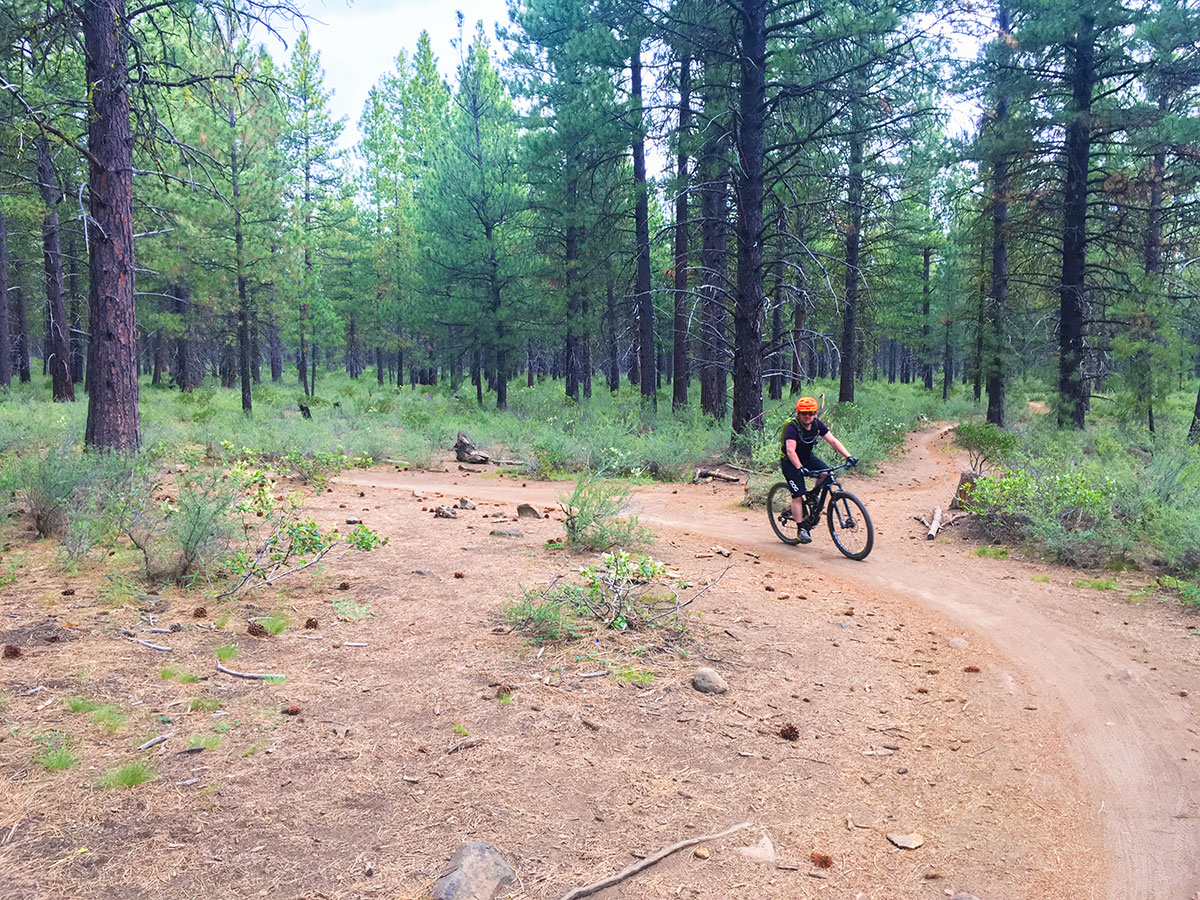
597	516
986	445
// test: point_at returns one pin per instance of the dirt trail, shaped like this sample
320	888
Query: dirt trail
1116	680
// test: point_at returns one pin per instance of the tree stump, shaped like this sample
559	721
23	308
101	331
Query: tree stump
962	493
466	452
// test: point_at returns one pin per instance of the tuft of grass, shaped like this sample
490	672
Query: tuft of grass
1096	584
57	758
276	623
81	704
169	673
129	775
349	611
226	652
108	717
251	750
461	730
992	552
633	675
505	697
596	515
1041	578
207	741
203	704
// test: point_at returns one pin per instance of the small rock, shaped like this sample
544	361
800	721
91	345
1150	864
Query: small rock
354	521
700	853
505	532
906	841
446	512
525	511
424	573
476	871
958	643
963	895
763	851
707	681
420	495
466	503
720	550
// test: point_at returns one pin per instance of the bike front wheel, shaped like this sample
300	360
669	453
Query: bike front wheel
779	510
850	525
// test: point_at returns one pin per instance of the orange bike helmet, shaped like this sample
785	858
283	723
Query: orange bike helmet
806	404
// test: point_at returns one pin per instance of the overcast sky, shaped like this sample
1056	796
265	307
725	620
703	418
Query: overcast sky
359	42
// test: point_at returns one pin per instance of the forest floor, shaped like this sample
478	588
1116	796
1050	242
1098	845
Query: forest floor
1050	753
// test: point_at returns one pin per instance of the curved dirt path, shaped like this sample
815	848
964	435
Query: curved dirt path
1118	681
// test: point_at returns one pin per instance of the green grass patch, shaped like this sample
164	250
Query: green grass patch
1095	584
108	717
129	775
461	730
206	741
634	675
203	704
56	759
349	611
276	623
226	652
992	552
81	704
1041	578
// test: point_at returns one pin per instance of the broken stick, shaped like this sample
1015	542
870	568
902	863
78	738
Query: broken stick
257	676
634	868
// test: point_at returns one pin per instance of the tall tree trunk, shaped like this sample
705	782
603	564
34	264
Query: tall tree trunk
645	300
20	322
239	240
854	215
275	349
679	366
74	320
574	323
58	341
1076	163
302	356
610	313
185	375
997	320
5	326
799	310
748	189
714	261
112	420
947	362
926	324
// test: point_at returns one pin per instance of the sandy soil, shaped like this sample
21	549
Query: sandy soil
1053	756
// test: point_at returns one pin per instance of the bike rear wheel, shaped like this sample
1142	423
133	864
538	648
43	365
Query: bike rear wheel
850	525
779	511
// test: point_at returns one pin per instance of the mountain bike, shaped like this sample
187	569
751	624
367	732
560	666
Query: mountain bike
849	522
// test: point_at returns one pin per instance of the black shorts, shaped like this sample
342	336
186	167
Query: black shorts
793	477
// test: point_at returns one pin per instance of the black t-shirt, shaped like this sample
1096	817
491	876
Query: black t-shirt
805	438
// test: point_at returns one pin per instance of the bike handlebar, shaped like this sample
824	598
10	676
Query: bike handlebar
815	473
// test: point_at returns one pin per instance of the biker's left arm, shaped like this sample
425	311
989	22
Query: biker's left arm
836	444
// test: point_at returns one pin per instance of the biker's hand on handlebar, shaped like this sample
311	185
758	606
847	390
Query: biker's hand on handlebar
851	462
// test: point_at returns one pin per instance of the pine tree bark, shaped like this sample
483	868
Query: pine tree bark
112	420
854	215
58	357
679	363
926	324
20	322
748	189
644	299
6	349
1076	159
997	319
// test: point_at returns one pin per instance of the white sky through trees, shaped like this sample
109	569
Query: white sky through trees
359	41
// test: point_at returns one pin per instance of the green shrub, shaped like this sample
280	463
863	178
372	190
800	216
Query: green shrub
57	758
129	775
544	617
596	515
986	445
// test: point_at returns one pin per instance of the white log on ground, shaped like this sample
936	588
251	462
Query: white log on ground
935	524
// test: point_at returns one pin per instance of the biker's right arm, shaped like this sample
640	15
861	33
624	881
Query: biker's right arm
789	447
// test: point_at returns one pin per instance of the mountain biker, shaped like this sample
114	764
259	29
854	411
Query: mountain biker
796	452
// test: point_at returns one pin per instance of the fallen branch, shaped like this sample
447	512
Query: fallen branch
255	676
152	646
463	745
155	741
935	524
634	868
713	473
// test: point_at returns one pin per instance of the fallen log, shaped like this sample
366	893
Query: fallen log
713	473
466	452
935	524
